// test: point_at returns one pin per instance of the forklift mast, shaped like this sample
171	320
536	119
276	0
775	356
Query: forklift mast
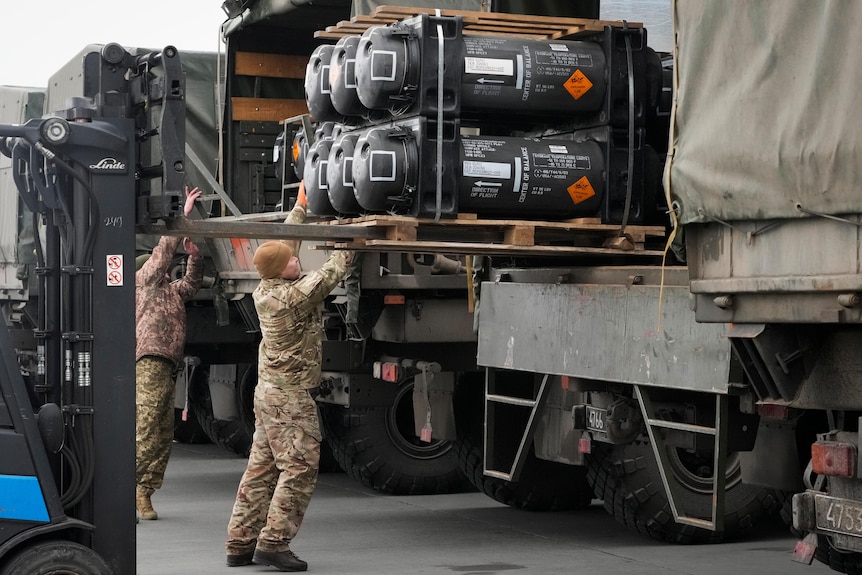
89	173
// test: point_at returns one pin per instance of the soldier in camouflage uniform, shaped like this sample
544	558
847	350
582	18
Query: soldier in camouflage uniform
276	487
160	317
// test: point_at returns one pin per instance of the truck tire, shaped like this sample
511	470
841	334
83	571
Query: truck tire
189	431
51	557
627	478
377	447
229	434
840	561
542	486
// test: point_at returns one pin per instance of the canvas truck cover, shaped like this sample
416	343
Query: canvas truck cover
17	105
200	69
202	108
766	118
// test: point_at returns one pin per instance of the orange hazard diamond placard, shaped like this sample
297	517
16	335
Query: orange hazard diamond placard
581	191
578	84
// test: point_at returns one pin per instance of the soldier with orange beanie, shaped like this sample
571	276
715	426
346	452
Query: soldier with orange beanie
282	469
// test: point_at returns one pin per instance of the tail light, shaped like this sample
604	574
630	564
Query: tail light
833	458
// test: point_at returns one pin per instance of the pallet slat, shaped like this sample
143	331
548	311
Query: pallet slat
270	65
477	23
407	11
267	109
462	248
526	237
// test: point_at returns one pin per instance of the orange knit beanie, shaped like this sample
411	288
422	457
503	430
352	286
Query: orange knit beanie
271	258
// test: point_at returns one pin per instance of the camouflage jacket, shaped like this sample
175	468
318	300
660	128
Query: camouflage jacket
291	319
160	313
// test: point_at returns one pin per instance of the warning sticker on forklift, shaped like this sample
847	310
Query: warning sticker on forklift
114	269
581	191
577	85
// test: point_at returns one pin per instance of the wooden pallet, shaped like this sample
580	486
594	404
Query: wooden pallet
477	23
468	234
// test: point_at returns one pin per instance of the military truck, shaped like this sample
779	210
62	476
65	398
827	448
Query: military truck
598	381
764	184
587	373
595	360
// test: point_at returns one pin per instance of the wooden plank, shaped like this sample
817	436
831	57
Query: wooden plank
330	35
242	228
373	20
461	248
471	220
478	23
407	11
539	36
401	231
266	109
352	27
270	65
520	235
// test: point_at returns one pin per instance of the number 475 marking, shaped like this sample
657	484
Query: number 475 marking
850	517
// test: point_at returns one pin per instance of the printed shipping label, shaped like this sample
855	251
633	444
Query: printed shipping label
487	170
494	66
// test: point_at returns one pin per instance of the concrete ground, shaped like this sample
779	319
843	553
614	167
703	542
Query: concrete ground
353	530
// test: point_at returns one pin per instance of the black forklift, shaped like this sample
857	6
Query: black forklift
89	174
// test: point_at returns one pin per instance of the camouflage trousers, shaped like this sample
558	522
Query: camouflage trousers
154	422
276	487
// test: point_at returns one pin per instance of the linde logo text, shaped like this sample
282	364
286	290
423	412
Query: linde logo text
108	164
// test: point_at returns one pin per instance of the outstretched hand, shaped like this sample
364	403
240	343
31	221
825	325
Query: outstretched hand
191	248
300	197
191	196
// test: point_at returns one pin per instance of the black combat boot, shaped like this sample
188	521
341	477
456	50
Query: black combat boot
281	560
240	559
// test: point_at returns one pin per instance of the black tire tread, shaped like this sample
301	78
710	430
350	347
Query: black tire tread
189	431
358	444
229	434
57	556
628	482
544	485
840	561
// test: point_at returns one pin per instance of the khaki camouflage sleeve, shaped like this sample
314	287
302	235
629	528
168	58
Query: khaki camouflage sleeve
296	216
158	264
319	283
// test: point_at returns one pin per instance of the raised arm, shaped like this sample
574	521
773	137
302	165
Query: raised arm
157	266
191	282
297	216
319	283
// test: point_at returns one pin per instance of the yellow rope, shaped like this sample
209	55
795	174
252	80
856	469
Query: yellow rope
668	164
